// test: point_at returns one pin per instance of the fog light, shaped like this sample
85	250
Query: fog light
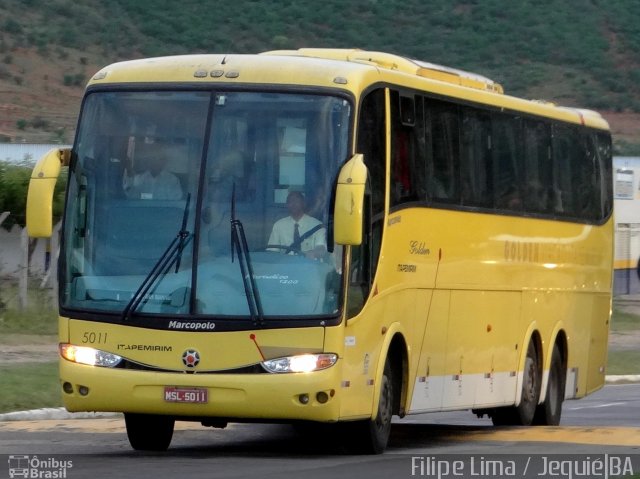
303	398
322	397
67	387
83	390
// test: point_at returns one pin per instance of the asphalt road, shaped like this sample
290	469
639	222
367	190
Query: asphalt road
607	422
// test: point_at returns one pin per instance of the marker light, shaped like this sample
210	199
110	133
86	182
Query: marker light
304	363
89	356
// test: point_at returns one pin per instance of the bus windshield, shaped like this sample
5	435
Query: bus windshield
187	203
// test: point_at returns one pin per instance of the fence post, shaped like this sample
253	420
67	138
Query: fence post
53	264
23	280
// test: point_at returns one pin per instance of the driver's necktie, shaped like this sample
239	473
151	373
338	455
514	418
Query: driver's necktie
296	237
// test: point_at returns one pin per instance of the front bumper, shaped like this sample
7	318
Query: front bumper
260	397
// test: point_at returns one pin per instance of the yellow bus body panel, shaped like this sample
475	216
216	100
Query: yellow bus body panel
40	195
469	300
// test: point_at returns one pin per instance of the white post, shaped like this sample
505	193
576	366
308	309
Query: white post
23	269
53	265
3	216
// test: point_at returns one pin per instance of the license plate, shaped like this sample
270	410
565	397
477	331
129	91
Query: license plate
186	395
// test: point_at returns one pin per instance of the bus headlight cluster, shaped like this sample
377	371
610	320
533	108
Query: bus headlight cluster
89	356
304	363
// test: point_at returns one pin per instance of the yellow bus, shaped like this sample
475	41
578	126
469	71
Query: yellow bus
326	237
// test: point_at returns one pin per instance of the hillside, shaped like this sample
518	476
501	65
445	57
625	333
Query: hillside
582	53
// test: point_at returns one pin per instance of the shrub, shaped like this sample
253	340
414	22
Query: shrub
4	72
77	79
39	123
11	26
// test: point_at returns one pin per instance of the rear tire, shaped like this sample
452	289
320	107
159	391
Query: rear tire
549	412
523	413
147	432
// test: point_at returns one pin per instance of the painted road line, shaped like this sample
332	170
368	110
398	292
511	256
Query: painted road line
606	436
596	406
113	424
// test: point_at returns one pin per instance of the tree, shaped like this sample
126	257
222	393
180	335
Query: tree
14	184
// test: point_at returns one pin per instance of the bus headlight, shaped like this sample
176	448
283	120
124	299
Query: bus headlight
304	363
89	356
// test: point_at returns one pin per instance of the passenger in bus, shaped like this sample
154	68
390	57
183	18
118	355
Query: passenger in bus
298	233
555	200
536	197
435	188
510	199
155	183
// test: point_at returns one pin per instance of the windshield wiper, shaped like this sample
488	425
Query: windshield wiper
172	255
239	243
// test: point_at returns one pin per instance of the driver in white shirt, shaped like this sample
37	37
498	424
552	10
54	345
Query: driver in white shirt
298	232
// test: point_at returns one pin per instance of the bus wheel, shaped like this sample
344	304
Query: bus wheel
523	413
147	432
372	436
548	413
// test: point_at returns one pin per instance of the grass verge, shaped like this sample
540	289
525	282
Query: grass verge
29	322
39	317
623	362
29	386
621	321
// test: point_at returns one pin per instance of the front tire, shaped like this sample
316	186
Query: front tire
523	413
147	432
372	436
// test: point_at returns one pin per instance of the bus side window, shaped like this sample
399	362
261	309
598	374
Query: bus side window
444	186
537	168
505	155
603	150
588	188
371	142
407	149
565	180
475	164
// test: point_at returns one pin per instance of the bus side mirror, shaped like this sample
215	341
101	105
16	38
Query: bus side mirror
40	194
349	207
